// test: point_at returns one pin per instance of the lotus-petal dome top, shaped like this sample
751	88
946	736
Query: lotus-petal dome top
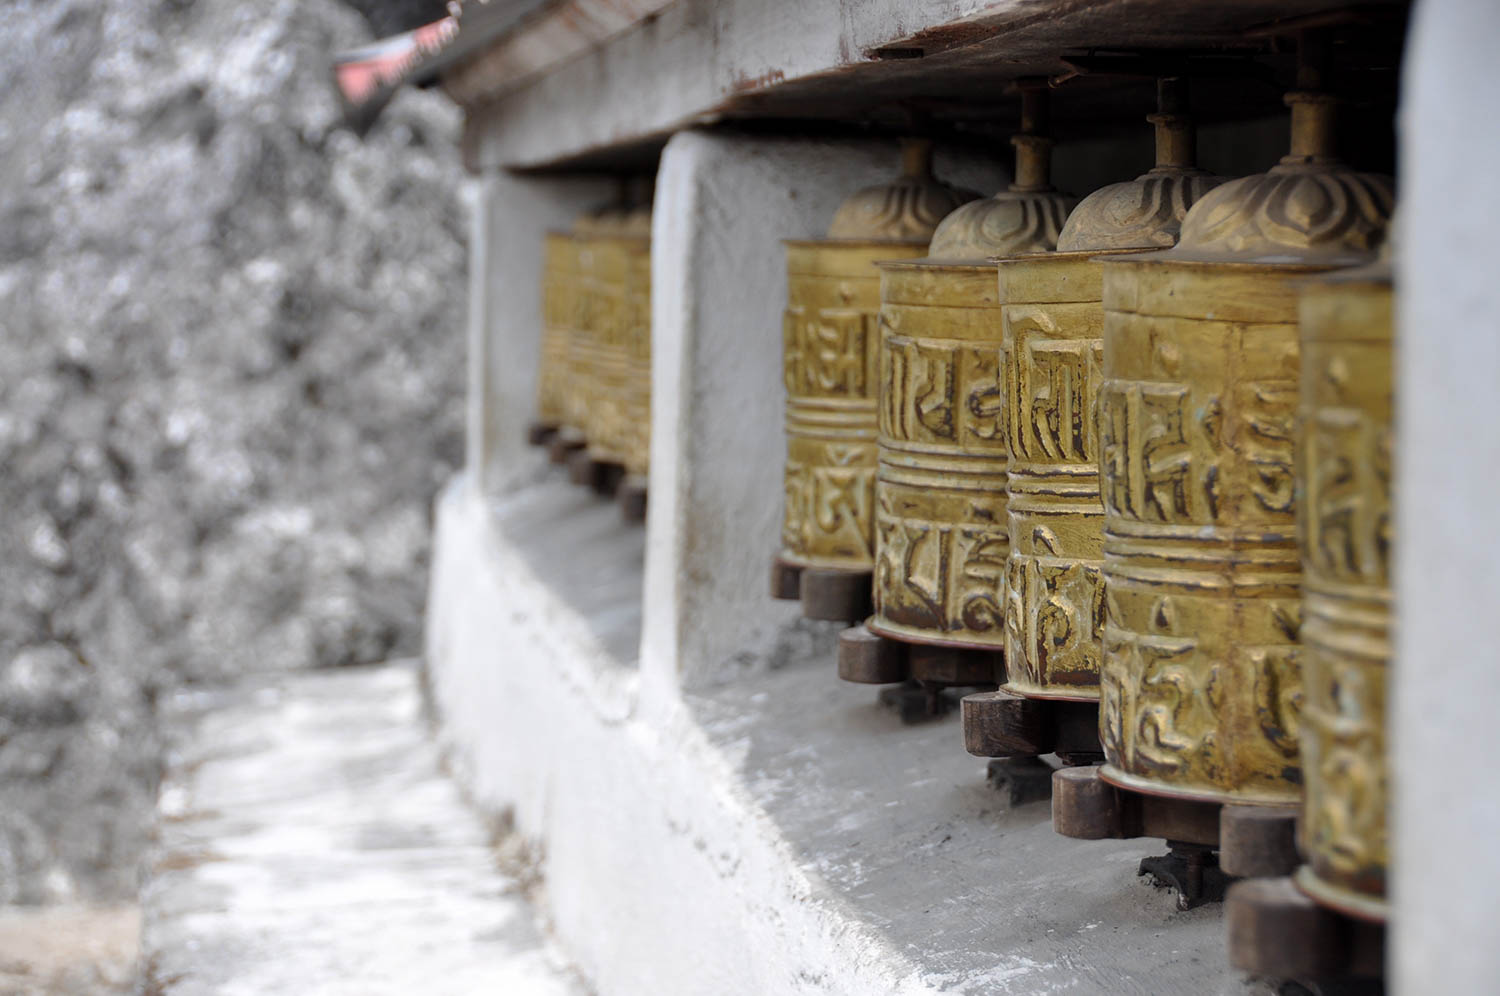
1309	208
1144	213
1147	212
1010	223
1296	212
1025	217
907	209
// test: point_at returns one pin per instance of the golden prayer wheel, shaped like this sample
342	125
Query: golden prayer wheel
1278	926
603	262
1201	680
1052	352
635	409
1345	529
941	532
831	353
559	270
577	308
1202	677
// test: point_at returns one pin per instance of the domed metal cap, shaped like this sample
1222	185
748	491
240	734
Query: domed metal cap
1147	212
907	209
1309	208
1027	216
1010	223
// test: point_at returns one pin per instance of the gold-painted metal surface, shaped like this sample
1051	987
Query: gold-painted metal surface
559	272
1202	688
603	261
1052	362
940	510
586	308
942	532
1346	536
635	427
831	348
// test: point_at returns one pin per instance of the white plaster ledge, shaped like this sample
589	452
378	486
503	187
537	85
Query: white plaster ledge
779	832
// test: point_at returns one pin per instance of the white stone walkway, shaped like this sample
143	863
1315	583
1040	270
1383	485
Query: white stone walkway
311	845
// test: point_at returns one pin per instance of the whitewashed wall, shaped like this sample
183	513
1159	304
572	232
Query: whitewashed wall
1446	694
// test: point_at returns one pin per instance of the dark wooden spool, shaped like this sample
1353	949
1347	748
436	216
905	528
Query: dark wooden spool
826	594
1274	929
540	433
631	495
1246	841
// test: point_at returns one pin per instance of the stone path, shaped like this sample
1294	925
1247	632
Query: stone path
68	950
310	844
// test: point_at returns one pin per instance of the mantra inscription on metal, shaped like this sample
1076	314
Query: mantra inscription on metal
1201	686
602	265
1053	358
940	498
635	409
831	348
559	273
1346	531
1202	689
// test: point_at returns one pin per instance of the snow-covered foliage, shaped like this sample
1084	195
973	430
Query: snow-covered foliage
230	382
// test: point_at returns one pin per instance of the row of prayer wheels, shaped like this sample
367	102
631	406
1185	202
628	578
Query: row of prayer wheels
594	378
1121	467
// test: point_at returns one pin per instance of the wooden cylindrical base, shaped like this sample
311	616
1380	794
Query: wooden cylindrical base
587	472
564	443
872	659
1250	840
631	495
786	580
827	594
1276	930
540	433
835	595
999	724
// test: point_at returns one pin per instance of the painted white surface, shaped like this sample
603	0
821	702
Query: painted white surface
661	877
718	273
1446	691
776	835
309	842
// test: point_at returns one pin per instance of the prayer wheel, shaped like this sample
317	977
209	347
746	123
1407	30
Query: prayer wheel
635	412
603	261
940	510
1344	524
1345	529
578	308
1052	351
1201	680
831	345
559	269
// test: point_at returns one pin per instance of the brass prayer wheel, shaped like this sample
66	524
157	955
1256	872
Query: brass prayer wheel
940	507
1346	536
559	270
831	353
635	410
1052	360
1202	689
581	306
1286	927
1052	318
603	262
